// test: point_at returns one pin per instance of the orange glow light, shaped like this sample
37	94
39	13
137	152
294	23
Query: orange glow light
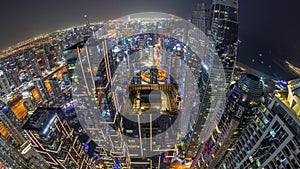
3	131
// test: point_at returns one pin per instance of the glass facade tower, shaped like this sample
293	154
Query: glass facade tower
224	32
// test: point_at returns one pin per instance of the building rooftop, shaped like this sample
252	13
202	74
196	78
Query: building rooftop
231	3
291	97
251	84
41	119
294	87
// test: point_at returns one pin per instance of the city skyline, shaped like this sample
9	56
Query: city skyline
198	84
256	17
265	27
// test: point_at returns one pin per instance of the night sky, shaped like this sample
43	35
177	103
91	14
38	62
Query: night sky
269	27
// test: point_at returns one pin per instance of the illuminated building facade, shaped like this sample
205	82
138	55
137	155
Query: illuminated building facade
9	156
29	102
272	139
17	140
46	62
52	137
59	51
11	124
41	88
4	83
242	101
37	72
201	17
211	87
14	77
23	64
224	32
55	86
153	75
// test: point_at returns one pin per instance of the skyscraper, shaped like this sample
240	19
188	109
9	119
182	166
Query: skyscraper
36	68
66	78
224	35
201	17
29	101
46	61
9	156
4	83
59	51
14	77
55	86
153	75
224	32
86	77
18	146
272	139
11	124
52	137
24	65
242	101
41	88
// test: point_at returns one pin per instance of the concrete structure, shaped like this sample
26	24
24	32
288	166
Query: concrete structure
201	17
224	32
4	83
272	139
41	88
52	137
29	101
242	101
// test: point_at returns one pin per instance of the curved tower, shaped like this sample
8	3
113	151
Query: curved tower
224	32
242	101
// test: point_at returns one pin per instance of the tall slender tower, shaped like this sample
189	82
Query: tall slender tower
4	83
29	101
55	86
272	139
9	156
13	76
11	124
224	35
41	88
201	17
36	68
17	150
224	32
52	137
46	61
242	101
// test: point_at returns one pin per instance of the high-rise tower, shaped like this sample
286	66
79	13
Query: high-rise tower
242	101
9	156
11	124
41	88
13	76
52	137
36	68
272	139
224	32
55	86
29	101
46	61
4	83
201	17
224	35
17	146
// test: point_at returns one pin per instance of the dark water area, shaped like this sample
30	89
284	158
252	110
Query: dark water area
277	68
